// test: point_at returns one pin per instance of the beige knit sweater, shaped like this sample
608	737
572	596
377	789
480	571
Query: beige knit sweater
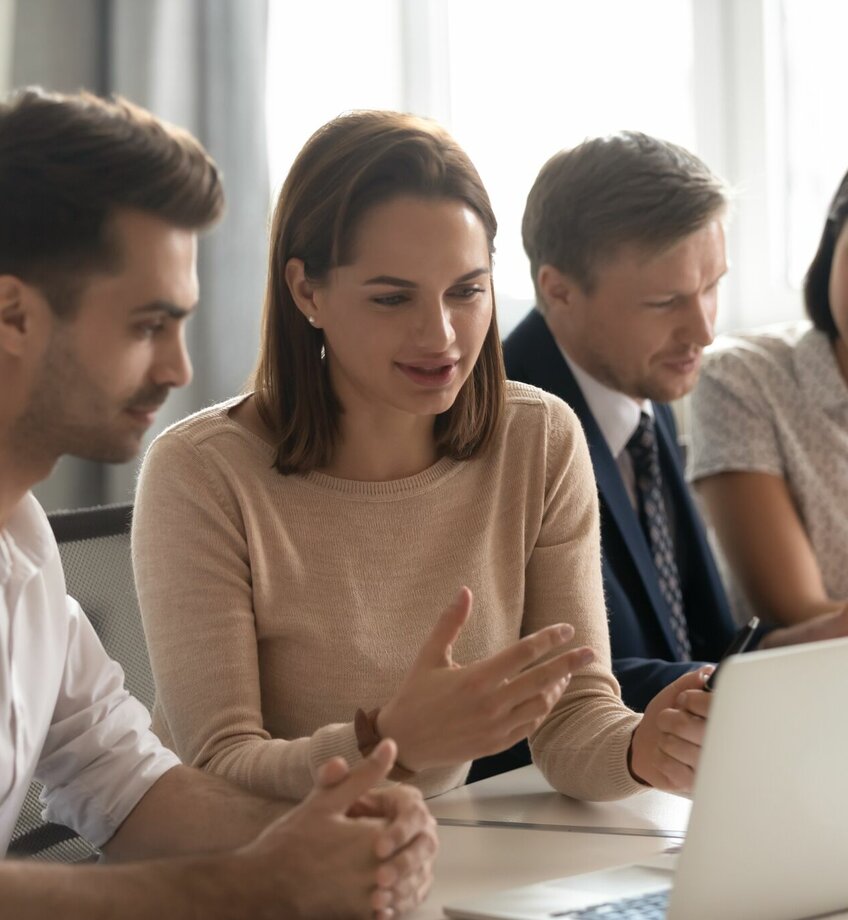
275	606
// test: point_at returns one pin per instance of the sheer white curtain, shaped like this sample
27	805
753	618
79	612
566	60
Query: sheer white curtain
816	128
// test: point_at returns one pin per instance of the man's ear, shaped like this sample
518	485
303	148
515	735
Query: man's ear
303	291
558	290
16	318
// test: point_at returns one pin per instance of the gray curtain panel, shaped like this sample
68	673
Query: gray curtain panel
7	34
200	64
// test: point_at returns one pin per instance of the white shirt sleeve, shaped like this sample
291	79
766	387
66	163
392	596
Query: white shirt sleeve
100	756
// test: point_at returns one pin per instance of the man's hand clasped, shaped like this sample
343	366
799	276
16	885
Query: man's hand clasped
368	852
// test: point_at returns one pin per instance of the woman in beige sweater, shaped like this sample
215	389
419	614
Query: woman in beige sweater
301	551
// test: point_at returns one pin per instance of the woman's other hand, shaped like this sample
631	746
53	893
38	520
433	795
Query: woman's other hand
666	744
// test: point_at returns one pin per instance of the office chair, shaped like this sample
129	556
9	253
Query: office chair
94	544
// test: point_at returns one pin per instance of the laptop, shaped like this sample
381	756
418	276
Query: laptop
768	833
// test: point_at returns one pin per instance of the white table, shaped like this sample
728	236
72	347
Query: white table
524	798
476	860
513	829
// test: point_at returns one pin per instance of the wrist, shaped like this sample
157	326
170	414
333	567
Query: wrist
250	878
213	884
631	756
369	735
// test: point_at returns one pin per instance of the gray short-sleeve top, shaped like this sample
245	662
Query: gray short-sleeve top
775	401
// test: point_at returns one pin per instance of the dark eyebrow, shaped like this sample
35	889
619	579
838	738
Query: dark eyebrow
404	283
163	306
675	294
470	276
389	279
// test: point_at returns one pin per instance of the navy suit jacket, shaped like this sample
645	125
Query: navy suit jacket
643	650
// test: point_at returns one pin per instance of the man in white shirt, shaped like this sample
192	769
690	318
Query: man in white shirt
101	206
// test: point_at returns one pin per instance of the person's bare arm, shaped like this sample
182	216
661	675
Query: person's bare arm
766	545
174	888
342	852
189	812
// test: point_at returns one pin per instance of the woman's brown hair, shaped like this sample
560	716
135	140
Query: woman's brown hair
817	279
349	166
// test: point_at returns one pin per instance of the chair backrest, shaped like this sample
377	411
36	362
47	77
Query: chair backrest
94	544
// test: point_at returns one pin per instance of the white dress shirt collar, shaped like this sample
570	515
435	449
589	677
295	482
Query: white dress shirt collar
617	415
26	536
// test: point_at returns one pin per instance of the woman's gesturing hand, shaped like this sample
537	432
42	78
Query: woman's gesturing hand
445	713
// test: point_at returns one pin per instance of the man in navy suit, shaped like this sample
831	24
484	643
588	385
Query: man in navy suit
625	236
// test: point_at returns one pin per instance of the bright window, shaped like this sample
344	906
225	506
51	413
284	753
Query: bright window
526	84
814	34
513	85
325	57
754	87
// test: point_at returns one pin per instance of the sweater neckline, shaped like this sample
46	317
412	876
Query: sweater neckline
389	488
373	489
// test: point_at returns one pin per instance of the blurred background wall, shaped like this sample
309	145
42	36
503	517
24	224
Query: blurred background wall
755	87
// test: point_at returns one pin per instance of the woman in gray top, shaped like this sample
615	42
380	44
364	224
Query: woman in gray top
770	441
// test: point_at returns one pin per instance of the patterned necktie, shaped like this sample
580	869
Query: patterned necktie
644	452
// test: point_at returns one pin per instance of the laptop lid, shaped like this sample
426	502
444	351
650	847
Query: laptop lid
769	825
768	833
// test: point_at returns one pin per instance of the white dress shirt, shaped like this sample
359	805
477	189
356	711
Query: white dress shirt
617	416
65	717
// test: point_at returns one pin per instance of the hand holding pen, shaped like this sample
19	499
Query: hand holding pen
666	745
740	642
